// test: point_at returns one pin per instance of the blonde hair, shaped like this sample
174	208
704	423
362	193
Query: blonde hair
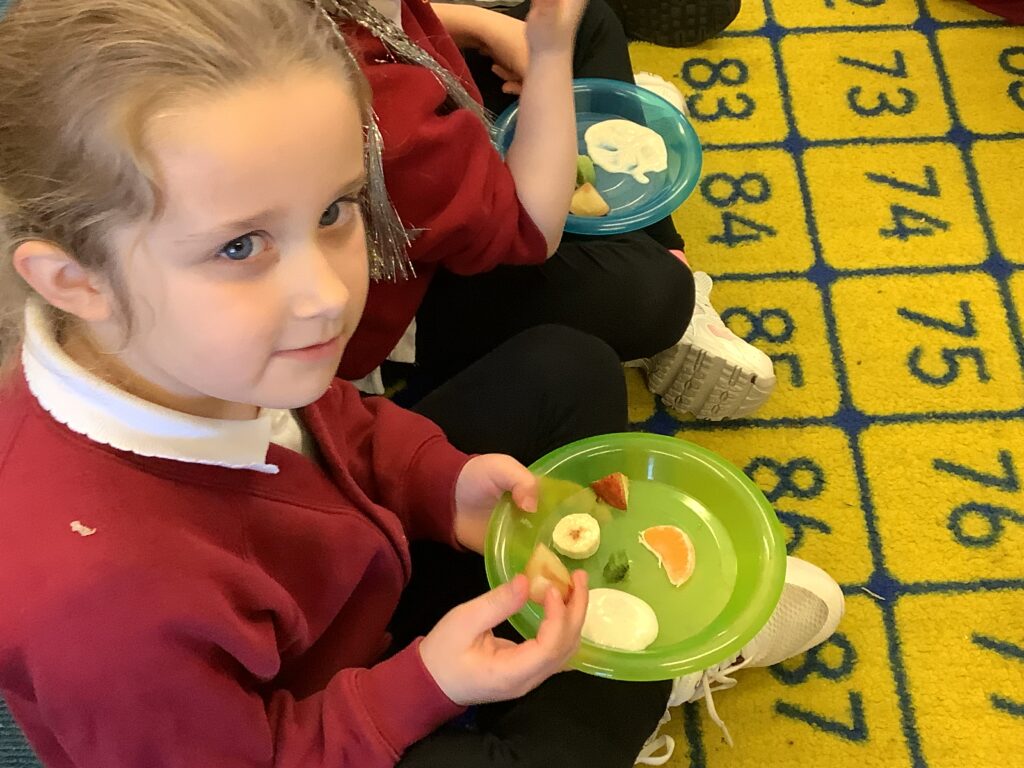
79	79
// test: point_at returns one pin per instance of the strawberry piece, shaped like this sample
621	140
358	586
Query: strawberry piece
613	489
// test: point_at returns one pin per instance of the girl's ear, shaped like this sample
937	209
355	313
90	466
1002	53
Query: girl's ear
62	281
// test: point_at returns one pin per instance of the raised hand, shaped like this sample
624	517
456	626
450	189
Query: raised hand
551	25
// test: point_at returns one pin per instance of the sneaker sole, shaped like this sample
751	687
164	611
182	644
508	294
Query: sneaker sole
677	23
706	385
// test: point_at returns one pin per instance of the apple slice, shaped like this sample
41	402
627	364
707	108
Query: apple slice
587	201
613	489
545	570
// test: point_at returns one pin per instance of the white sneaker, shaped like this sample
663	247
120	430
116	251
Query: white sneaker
711	373
659	86
807	614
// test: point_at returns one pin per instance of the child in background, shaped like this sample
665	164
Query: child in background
206	536
676	23
489	254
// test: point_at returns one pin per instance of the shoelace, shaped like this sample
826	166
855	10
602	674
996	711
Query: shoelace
718	679
715	678
655	744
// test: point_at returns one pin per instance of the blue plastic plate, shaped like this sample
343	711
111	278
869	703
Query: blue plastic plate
633	205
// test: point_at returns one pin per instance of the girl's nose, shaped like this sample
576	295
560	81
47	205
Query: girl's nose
318	291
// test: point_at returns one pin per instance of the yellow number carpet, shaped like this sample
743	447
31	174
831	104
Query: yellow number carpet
861	209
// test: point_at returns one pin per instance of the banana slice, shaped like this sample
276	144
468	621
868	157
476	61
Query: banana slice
577	536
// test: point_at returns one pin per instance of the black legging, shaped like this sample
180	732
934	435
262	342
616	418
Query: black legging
543	388
625	289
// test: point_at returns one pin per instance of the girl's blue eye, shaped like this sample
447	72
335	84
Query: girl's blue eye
331	215
240	248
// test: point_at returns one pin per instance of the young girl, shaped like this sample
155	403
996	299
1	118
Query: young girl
205	535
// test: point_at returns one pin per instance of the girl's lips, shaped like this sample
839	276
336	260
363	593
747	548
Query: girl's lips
315	352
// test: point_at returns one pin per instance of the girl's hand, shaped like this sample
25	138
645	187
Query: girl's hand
472	666
551	25
499	37
502	39
481	483
508	42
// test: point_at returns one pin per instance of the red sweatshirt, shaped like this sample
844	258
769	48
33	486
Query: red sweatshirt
1011	10
445	178
218	617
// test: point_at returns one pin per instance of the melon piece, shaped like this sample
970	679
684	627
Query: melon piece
545	570
585	173
601	512
587	201
552	491
584	502
580	503
673	549
613	489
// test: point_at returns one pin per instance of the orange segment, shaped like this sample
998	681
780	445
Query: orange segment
673	549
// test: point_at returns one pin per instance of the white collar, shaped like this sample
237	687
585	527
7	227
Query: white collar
105	414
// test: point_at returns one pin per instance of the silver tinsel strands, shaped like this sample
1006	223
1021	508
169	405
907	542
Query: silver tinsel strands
386	237
387	241
404	49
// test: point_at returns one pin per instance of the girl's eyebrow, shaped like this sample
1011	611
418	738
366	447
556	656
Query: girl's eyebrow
352	188
349	189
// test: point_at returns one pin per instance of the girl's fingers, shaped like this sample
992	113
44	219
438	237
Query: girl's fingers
572	619
560	631
487	611
534	661
524	492
554	617
557	639
578	601
509	475
531	663
503	73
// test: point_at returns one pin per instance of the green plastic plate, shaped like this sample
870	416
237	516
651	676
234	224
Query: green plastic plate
739	549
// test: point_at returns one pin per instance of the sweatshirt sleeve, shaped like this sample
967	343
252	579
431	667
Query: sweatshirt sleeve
445	178
399	459
122	686
471	219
